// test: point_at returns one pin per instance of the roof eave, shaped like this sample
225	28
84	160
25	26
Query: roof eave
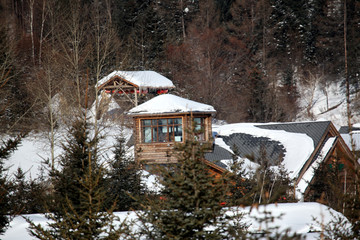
143	114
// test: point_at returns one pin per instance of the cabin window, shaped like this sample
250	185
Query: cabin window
162	130
199	128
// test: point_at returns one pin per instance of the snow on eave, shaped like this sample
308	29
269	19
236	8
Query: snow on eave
309	174
142	79
170	104
298	146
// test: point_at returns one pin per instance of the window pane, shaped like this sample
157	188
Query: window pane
155	134
162	122
177	121
147	134
171	134
146	122
197	124
162	134
178	133
154	122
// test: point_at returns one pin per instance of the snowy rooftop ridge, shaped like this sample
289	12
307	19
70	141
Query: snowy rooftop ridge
143	79
168	103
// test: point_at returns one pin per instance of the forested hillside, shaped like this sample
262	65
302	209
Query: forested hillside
246	58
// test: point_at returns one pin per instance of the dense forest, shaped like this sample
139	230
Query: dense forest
246	58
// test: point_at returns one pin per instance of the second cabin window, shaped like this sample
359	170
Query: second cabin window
200	128
162	130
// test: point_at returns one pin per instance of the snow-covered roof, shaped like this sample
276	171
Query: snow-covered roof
293	143
142	79
168	103
294	155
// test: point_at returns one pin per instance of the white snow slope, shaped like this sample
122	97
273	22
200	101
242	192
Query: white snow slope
297	217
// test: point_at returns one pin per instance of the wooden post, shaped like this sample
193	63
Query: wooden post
136	98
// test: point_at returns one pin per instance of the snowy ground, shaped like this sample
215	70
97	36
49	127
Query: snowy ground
319	102
302	218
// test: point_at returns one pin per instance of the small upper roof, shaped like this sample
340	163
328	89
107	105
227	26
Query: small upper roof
142	79
168	103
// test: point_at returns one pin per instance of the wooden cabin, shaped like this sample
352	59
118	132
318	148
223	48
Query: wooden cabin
165	120
132	84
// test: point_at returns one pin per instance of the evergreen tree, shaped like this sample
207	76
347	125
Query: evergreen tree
270	182
20	192
79	153
325	188
259	108
241	188
124	179
28	196
79	197
190	204
353	39
5	208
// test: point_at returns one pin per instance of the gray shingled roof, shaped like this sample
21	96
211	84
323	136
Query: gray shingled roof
315	130
217	155
248	145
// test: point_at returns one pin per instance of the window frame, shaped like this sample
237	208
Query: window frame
159	133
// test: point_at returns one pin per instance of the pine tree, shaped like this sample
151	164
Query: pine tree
190	204
269	183
241	187
79	153
28	195
79	211
5	209
124	179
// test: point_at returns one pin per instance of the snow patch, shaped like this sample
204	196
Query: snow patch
297	217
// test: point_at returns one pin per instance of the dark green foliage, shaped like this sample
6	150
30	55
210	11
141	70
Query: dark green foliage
241	187
224	7
29	196
79	197
80	153
330	187
259	109
190	202
6	148
326	186
353	43
352	203
123	183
